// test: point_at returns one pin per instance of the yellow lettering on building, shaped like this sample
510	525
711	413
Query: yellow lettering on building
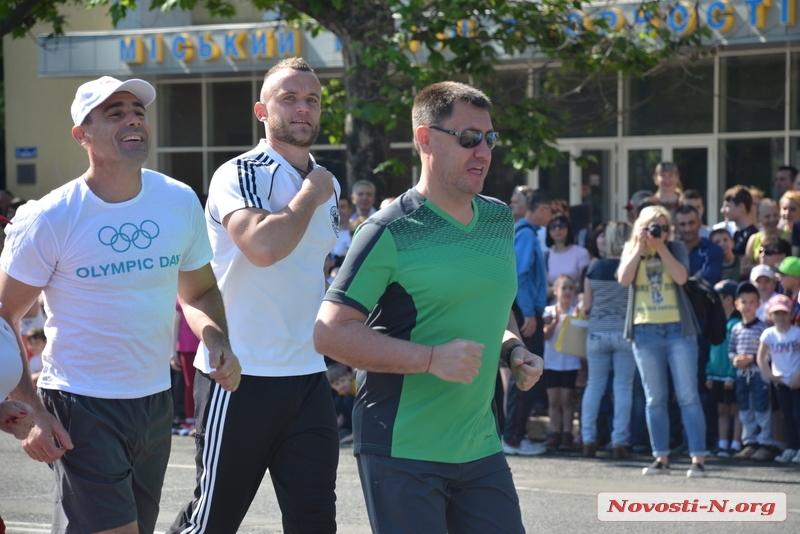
183	47
131	50
234	45
209	50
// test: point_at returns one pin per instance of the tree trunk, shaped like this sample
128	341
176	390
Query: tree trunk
364	25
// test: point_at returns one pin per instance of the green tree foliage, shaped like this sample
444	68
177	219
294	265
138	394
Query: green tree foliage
393	47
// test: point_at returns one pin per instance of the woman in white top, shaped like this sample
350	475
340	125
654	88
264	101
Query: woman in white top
564	257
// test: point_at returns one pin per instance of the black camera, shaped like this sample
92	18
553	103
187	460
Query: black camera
654	229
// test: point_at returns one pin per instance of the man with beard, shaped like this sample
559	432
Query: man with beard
272	217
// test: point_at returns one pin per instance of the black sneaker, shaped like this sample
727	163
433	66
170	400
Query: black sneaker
656	468
696	470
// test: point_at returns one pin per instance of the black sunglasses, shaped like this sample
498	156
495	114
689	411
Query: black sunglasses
554	226
471	138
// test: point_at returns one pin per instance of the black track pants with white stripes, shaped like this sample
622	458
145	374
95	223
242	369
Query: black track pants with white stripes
284	424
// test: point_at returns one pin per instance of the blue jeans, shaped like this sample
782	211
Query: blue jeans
656	347
604	350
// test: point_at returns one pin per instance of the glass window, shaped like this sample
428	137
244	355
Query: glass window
180	117
752	93
335	162
596	184
554	179
678	99
590	111
641	166
230	114
186	167
399	183
216	159
507	90
502	178
693	166
794	113
749	162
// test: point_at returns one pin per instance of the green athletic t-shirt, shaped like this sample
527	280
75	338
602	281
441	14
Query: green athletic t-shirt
420	275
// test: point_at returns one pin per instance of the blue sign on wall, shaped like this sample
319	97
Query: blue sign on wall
26	152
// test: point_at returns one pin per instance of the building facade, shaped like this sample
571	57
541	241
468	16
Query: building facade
731	117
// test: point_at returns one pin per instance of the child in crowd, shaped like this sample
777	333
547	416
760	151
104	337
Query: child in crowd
560	370
779	361
731	267
752	393
340	377
721	377
763	277
36	342
737	207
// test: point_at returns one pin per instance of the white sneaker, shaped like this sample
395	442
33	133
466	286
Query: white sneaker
796	459
786	456
526	448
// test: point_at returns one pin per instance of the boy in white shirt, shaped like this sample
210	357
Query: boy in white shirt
779	361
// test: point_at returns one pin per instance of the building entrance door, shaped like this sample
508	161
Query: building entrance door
696	160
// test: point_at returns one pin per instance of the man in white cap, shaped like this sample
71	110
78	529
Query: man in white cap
110	250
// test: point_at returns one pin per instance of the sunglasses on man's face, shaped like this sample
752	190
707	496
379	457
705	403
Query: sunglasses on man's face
471	138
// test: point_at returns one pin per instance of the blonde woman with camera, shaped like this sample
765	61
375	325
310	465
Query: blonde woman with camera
662	326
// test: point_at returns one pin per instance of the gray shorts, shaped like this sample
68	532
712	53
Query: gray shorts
114	473
414	496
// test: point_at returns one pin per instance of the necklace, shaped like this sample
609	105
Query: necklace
304	173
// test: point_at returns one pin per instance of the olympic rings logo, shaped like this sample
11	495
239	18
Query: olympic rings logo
129	234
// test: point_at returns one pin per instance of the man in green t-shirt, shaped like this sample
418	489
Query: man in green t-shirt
421	306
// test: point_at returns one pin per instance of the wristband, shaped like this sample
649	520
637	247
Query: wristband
510	350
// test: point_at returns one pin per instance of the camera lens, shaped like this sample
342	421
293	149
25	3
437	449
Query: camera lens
654	229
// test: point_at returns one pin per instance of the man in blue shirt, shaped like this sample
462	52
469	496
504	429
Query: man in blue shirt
705	258
528	308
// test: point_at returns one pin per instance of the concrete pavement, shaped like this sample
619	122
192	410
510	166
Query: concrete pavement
557	492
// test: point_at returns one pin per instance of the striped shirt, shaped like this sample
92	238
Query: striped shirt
609	299
745	339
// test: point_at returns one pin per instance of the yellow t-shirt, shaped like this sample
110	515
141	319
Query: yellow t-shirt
655	298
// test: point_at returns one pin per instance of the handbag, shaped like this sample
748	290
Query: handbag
572	337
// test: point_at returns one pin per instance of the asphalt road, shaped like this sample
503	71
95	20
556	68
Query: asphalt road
558	493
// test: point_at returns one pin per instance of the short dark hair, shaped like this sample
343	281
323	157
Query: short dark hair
686	210
296	63
692	194
539	197
746	287
739	194
434	104
336	371
775	245
559	218
792	170
719	231
36	332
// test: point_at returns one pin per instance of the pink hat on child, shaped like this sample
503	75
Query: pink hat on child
780	303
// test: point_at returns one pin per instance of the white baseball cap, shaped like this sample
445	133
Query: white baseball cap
92	94
762	270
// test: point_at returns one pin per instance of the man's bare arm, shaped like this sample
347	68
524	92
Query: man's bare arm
341	334
266	238
204	311
41	444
